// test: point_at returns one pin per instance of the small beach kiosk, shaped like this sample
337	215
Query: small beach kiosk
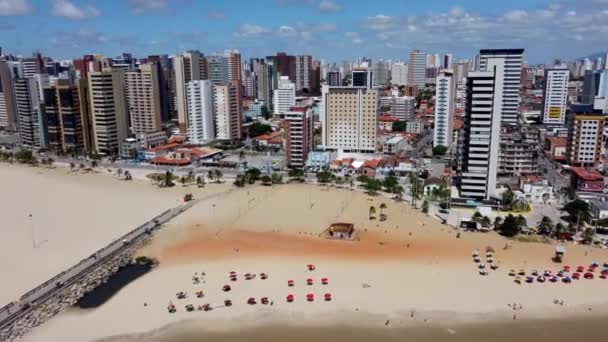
341	231
560	251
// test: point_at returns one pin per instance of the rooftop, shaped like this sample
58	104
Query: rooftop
588	175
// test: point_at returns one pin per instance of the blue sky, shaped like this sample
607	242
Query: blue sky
327	29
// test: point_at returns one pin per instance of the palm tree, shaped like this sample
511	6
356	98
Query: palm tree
497	222
558	230
578	210
372	212
168	179
425	207
545	226
210	176
183	180
398	191
218	175
240	181
200	181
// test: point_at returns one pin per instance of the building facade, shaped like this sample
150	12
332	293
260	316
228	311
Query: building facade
227	111
218	71
30	113
555	101
444	110
284	96
585	136
299	136
349	118
511	62
417	69
190	66
399	73
303	73
142	90
200	112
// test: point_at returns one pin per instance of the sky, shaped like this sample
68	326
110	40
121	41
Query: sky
332	30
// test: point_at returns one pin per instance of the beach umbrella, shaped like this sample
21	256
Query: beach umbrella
264	300
482	266
227	302
576	275
232	273
534	273
310	267
309	281
233	278
588	275
477	259
490	260
566	268
248	276
604	275
529	279
518	280
567	280
541	279
606	265
591	269
595	264
521	272
580	269
324	281
226	288
494	266
251	301
290	282
263	276
512	273
605	272
547	273
553	279
310	297
327	297
289	298
483	272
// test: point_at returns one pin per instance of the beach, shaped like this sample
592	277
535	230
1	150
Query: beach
407	271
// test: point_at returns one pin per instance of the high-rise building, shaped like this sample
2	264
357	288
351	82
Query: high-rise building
234	66
227	111
164	68
299	136
591	84
109	119
31	66
461	71
481	132
315	79
362	77
585	136
602	89
349	118
334	78
555	101
284	65
303	73
417	69
448	60
518	152
30	113
381	73
200	112
263	75
444	109
404	107
189	66
8	112
67	116
511	62
217	69
142	92
284	96
399	73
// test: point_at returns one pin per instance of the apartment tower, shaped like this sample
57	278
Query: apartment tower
142	89
555	101
200	112
444	109
511	60
227	110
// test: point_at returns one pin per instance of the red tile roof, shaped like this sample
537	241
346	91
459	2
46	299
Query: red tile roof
387	118
169	161
457	124
557	141
164	147
370	163
588	175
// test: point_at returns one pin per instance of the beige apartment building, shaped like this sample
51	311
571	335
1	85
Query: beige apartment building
227	111
108	110
189	66
349	118
143	99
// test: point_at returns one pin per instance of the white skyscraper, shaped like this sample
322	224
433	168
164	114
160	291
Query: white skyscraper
188	67
200	111
555	101
284	96
444	109
399	73
511	61
482	131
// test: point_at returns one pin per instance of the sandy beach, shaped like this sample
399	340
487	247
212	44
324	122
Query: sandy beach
407	270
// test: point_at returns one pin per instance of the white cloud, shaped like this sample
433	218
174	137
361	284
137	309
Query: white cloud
354	37
14	7
141	6
250	30
516	16
214	14
380	22
66	9
287	31
329	6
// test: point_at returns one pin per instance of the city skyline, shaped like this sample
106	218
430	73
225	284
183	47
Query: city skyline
333	30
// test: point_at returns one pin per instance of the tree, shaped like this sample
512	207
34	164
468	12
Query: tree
521	221
390	183
477	217
545	226
373	186
218	175
510	227
200	182
240	181
182	180
257	128
486	222
398	191
546	197
252	175
497	222
24	156
588	236
507	200
579	211
324	177
399	126
168	180
50	162
276	178
559	230
266	180
265	112
425	207
296	174
339	181
439	150
94	164
372	212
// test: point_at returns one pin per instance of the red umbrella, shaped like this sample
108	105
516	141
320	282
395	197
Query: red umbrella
310	267
566	267
290	283
576	275
289	298
605	272
232	273
233	278
580	268
324	281
310	297
309	281
588	275
327	297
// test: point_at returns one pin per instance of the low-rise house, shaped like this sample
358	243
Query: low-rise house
385	122
534	189
395	145
273	140
555	148
599	211
587	180
386	166
368	168
319	160
431	184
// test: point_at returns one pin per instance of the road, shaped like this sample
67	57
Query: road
31	299
553	175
